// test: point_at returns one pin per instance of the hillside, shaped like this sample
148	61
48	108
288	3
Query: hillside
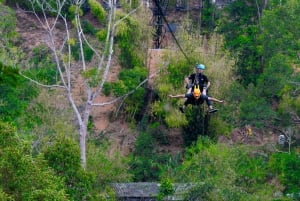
117	130
90	110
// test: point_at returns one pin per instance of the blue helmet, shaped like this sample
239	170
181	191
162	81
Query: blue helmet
200	66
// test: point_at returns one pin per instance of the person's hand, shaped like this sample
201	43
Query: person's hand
188	86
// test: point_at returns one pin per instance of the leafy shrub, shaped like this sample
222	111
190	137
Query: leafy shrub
88	28
107	88
129	79
128	34
64	157
166	189
97	10
145	163
42	69
177	71
101	35
87	52
255	110
23	177
286	167
15	98
197	125
251	169
72	11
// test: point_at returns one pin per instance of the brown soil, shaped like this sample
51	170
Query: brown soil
251	136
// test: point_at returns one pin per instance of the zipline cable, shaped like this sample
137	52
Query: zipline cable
176	41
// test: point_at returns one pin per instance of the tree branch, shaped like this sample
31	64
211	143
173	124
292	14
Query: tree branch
40	84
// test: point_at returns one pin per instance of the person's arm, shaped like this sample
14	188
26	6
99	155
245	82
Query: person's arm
208	84
207	81
187	80
216	100
177	96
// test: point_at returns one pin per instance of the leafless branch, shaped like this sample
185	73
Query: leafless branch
40	84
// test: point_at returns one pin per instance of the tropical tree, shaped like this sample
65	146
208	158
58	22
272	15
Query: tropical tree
241	26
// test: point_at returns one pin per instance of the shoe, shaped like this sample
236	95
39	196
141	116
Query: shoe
212	110
181	109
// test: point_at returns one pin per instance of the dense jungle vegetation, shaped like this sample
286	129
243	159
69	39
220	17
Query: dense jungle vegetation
251	49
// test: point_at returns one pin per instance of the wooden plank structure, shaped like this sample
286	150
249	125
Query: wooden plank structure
148	191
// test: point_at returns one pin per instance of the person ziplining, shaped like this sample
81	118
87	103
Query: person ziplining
197	85
197	98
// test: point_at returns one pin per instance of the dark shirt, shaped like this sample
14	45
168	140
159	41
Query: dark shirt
200	79
193	101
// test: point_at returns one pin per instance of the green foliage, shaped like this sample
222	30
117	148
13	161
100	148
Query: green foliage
9	53
208	17
128	34
221	172
177	71
234	96
92	76
175	119
197	125
286	167
8	75
73	10
41	66
107	89
279	36
274	78
64	157
23	177
97	10
146	164
132	77
255	110
143	167
128	81
165	189
5	197
107	168
158	109
240	27
88	53
251	170
37	124
88	28
101	35
15	98
218	127
129	6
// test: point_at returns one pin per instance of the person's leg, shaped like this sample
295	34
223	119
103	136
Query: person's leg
186	102
209	103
